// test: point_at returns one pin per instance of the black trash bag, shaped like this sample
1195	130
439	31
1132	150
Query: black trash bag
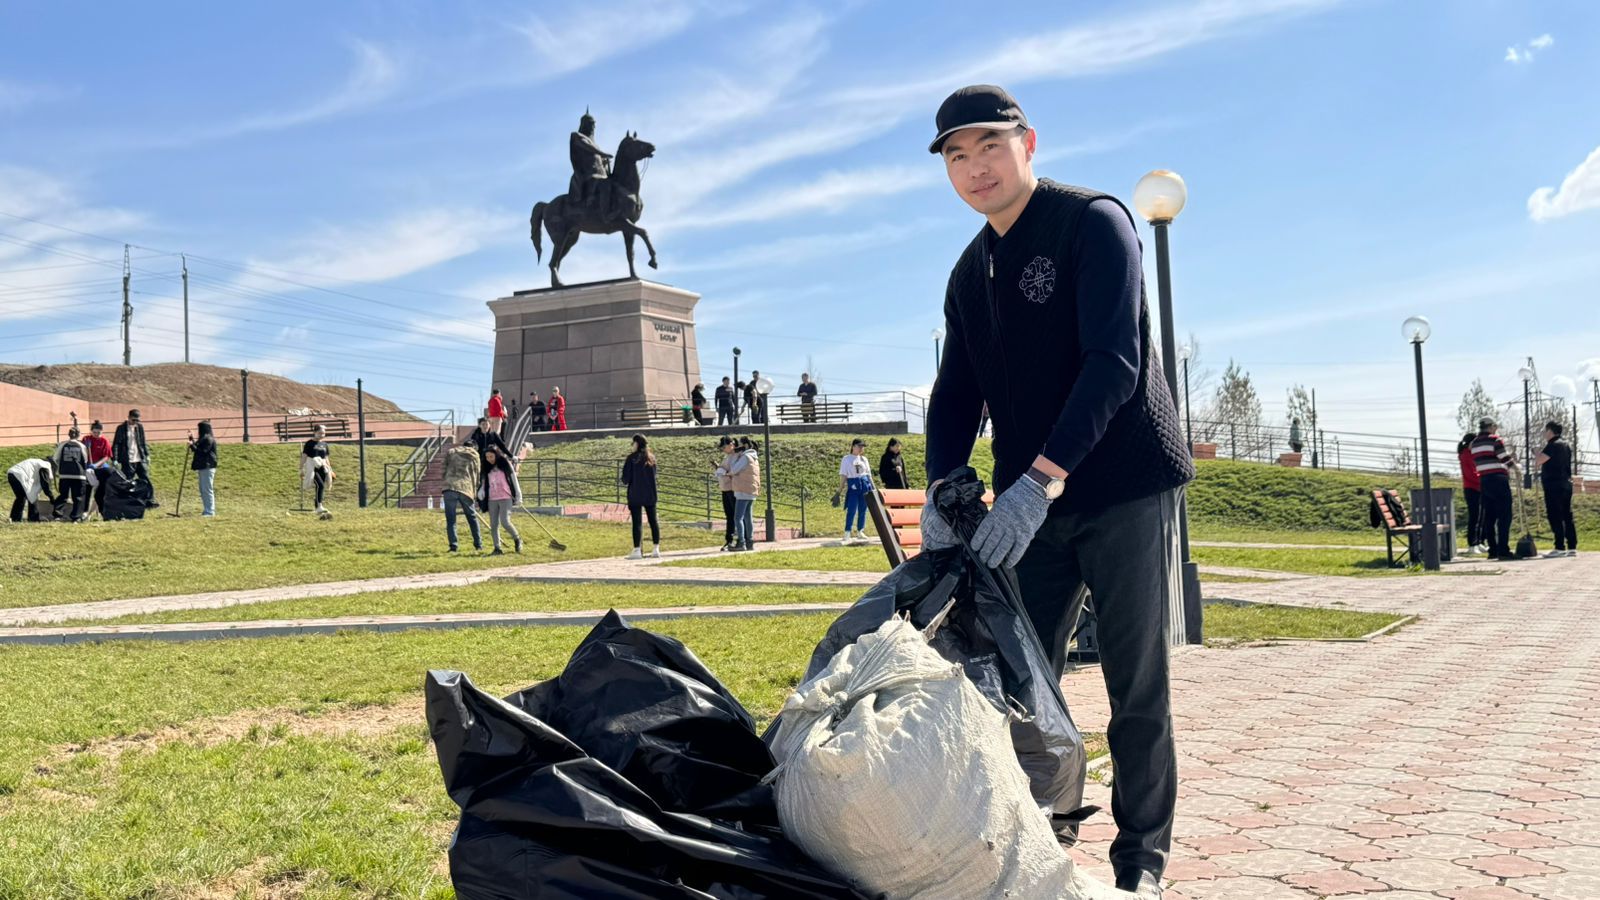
543	818
125	498
648	708
988	632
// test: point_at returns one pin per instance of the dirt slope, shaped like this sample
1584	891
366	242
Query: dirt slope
185	384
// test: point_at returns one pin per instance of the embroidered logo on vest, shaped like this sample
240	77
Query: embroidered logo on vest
1038	280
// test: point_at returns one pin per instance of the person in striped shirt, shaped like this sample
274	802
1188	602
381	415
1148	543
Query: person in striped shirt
1494	464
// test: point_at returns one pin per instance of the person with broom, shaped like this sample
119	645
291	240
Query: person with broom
203	460
1495	465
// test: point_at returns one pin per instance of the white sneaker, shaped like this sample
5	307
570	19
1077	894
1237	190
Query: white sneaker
635	554
861	537
656	553
847	537
1555	554
1481	549
1470	551
1572	553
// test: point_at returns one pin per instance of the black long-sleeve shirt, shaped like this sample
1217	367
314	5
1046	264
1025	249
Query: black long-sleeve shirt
1048	325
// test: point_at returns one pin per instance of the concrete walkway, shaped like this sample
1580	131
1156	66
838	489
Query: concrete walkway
262	628
612	569
1458	758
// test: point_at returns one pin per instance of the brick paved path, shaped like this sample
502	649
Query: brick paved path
1457	758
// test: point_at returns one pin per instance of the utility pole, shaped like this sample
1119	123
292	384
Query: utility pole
185	259
127	310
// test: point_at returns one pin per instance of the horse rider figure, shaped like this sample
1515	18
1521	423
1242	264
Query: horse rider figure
590	166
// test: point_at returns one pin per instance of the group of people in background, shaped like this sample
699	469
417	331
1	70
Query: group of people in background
738	401
1486	471
73	479
548	416
479	475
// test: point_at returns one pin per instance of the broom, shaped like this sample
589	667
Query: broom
1526	549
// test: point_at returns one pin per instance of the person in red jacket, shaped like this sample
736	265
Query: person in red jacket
99	447
496	411
1471	488
557	410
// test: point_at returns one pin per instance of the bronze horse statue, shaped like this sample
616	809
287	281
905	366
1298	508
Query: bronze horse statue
615	207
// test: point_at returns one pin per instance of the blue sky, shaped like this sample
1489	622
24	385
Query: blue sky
1349	163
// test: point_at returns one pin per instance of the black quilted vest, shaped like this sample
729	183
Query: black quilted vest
1027	364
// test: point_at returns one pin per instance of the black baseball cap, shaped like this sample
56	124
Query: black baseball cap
977	106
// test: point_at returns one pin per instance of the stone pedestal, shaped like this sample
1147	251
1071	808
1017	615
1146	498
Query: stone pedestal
609	346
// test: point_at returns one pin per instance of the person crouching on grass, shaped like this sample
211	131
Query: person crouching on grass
1048	324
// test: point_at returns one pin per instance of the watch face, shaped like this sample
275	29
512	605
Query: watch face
1053	488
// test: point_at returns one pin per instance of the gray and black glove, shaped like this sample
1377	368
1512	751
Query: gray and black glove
1009	527
936	532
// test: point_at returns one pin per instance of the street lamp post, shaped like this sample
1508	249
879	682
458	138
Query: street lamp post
764	387
1526	374
1159	197
1416	330
938	335
736	385
1594	385
244	401
1184	353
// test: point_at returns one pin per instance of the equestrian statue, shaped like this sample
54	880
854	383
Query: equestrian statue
600	198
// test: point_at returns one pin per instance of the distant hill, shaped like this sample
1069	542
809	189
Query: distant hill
185	384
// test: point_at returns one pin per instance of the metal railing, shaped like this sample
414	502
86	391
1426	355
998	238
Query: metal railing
1351	450
400	479
611	412
263	428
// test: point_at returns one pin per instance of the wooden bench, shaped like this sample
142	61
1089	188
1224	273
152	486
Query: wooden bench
651	415
897	516
304	429
836	411
1396	522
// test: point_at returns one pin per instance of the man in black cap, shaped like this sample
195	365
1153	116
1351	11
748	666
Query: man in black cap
129	450
1047	323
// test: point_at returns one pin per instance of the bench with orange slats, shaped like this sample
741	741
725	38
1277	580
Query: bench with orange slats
1396	522
897	515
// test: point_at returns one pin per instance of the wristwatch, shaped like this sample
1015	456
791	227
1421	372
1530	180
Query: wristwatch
1051	485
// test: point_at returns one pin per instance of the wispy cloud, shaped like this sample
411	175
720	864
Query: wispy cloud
16	96
794	250
1440	290
1524	53
829	192
372	78
1579	191
590	33
1090	49
403	244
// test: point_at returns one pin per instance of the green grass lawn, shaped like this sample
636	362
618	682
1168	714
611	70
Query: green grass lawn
256	541
287	804
867	558
1229	623
498	596
1307	561
1208	531
301	766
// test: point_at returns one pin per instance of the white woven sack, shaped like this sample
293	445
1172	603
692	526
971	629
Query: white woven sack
896	774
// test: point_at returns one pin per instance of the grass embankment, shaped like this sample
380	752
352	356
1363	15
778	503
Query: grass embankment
1232	501
256	541
276	767
498	596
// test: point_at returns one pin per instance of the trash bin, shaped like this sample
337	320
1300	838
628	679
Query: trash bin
1444	513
